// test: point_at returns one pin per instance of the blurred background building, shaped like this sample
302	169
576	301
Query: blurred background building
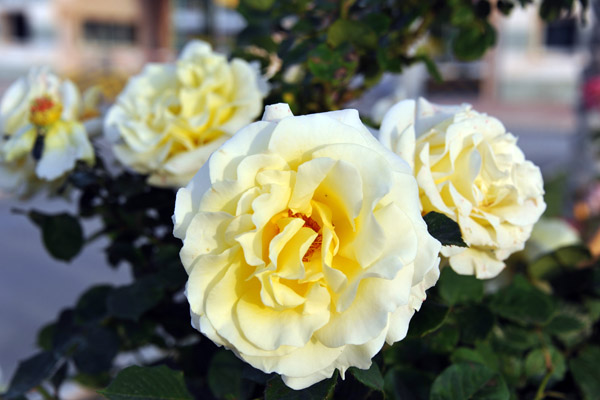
530	81
87	40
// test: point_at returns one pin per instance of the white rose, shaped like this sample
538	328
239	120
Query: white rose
171	117
469	168
43	134
304	245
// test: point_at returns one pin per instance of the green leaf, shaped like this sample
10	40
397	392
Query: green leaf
467	355
31	373
444	229
61	233
389	61
514	339
91	306
443	340
522	302
66	335
504	6
483	8
586	372
462	15
554	195
562	323
432	68
132	301
45	336
512	369
550	265
536	364
572	256
475	322
407	383
147	383
225	374
277	390
428	319
332	65
371	377
473	40
97	350
593	308
469	381
355	32
459	289
379	23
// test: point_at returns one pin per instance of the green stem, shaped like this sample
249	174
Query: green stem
45	394
96	235
540	392
345	6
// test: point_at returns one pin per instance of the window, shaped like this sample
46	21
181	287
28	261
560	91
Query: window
18	27
562	34
109	33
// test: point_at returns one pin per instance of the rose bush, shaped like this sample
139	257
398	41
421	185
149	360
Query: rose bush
171	117
304	245
42	120
469	168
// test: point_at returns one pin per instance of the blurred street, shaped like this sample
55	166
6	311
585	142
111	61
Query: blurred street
33	286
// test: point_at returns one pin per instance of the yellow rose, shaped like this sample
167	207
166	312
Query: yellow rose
170	118
469	168
41	120
304	245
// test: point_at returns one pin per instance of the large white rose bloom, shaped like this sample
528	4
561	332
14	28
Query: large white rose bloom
304	244
171	117
43	131
470	169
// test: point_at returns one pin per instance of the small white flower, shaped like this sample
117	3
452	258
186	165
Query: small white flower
43	135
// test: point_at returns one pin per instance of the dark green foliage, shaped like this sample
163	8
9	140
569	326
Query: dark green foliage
469	381
371	377
31	373
586	372
334	42
61	234
428	319
459	289
523	303
131	301
444	229
226	377
147	383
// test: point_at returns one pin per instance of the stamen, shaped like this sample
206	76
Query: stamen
312	224
44	111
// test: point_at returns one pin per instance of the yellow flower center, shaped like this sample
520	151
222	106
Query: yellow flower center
44	111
